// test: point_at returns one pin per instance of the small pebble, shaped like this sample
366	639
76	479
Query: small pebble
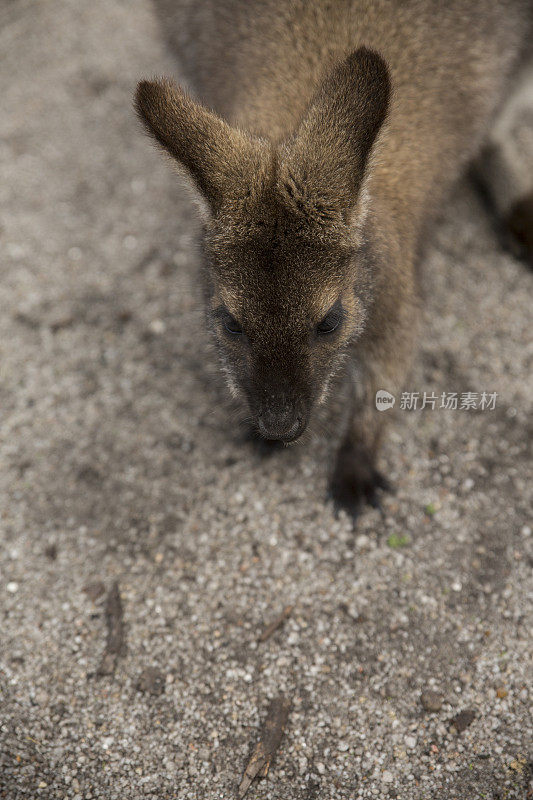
130	242
431	701
157	327
12	587
462	720
51	552
152	681
94	590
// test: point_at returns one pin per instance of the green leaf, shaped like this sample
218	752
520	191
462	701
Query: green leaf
396	540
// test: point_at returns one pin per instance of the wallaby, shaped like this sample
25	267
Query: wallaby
332	133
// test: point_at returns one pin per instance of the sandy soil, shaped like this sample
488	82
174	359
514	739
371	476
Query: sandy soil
121	464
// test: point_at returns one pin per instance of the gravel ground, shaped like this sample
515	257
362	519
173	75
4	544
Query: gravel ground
121	464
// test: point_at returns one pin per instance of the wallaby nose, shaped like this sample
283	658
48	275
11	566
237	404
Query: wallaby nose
280	425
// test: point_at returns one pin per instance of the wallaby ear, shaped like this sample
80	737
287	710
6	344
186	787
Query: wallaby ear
217	157
326	158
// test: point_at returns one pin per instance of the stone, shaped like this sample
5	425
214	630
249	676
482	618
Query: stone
431	700
152	681
462	720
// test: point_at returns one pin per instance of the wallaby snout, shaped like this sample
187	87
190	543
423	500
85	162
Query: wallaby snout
281	421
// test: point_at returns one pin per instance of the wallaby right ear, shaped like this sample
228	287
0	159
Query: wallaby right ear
326	158
216	156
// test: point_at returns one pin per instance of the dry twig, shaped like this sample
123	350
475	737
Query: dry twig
116	634
275	624
265	749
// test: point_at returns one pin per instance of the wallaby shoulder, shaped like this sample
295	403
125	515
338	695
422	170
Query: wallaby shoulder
278	50
257	63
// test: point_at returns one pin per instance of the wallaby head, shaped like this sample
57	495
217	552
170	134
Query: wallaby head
286	284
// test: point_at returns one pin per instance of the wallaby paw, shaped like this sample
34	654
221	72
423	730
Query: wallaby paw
519	223
355	484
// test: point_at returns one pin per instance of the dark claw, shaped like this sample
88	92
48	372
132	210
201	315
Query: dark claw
520	226
383	483
373	499
357	483
344	505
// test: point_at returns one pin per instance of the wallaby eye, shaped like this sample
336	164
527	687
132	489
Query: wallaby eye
231	325
331	321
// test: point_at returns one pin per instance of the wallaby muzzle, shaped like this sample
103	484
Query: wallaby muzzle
285	421
279	391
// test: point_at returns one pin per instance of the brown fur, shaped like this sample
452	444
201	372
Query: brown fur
318	188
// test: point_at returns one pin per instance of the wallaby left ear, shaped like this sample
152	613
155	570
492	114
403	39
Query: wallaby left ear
327	156
216	157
